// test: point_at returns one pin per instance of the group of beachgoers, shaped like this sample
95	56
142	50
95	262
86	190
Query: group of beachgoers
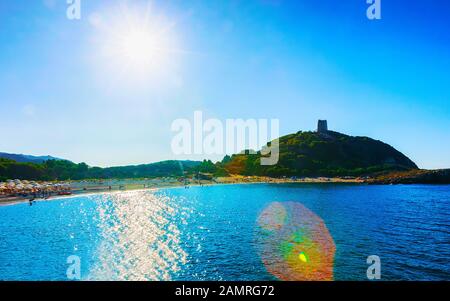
33	189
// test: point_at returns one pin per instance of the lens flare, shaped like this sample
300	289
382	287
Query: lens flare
302	257
294	243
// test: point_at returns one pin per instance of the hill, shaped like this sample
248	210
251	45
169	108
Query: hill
326	153
27	158
158	169
66	170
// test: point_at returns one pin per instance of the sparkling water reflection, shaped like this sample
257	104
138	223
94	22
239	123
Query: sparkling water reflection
140	239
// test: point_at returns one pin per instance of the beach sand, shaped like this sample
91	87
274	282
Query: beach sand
101	186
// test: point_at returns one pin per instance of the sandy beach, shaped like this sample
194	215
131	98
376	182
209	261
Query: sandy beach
111	185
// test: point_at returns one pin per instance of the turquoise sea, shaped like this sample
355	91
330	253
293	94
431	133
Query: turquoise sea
209	233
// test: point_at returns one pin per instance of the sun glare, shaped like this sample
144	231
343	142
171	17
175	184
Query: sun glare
139	47
136	42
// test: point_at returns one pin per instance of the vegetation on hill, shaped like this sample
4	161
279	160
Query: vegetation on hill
66	170
27	158
208	167
323	154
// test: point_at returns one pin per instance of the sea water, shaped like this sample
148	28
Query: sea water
211	232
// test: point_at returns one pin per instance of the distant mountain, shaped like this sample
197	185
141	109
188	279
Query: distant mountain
325	153
27	158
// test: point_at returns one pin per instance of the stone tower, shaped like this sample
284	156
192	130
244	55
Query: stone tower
322	126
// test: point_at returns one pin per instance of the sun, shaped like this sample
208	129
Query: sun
135	41
139	47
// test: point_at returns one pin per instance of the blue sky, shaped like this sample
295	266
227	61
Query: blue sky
297	61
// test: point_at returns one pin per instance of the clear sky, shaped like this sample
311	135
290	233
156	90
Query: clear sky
68	90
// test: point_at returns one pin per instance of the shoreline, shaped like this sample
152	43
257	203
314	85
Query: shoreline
98	187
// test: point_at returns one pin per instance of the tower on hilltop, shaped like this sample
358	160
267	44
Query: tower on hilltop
322	126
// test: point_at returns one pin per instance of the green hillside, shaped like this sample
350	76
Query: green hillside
323	154
65	170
